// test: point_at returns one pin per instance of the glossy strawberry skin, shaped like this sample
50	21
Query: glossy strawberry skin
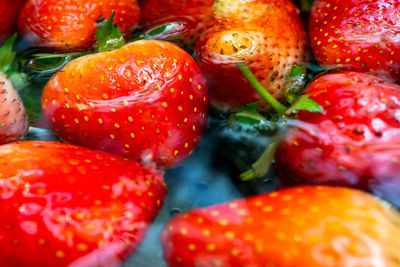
64	205
9	10
70	25
301	226
355	142
147	101
359	35
270	39
198	12
13	118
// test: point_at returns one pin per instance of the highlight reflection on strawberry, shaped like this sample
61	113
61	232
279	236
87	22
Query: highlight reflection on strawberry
64	205
147	100
355	142
70	25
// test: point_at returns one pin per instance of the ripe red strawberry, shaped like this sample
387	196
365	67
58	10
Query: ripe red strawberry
9	10
301	226
13	119
354	142
270	39
146	100
63	205
71	24
195	12
362	35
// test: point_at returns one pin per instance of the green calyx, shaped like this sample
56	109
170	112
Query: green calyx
248	115
108	36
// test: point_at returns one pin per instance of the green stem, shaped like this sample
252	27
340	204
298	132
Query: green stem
265	95
261	166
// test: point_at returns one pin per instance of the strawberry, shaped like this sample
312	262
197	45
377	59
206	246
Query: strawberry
270	39
71	24
147	101
361	35
301	226
13	119
355	141
64	205
9	10
195	12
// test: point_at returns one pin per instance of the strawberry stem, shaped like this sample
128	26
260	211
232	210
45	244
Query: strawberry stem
265	95
261	166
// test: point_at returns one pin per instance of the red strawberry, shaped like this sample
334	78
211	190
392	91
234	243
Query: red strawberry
302	226
13	119
354	142
269	38
362	35
195	12
9	10
63	205
71	24
146	100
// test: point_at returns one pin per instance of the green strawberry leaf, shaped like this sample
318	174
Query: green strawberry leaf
31	97
42	66
108	36
248	120
10	63
261	167
247	114
296	82
162	32
306	5
304	103
7	55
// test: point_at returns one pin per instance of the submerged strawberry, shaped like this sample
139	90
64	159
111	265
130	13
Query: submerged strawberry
362	35
69	25
9	10
195	12
13	119
147	101
356	140
270	39
300	226
63	205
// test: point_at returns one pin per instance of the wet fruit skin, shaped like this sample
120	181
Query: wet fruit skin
355	142
359	35
197	12
64	205
270	39
301	226
13	118
9	10
70	25
146	101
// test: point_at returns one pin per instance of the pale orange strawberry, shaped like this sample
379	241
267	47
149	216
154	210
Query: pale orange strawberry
13	119
265	34
302	226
